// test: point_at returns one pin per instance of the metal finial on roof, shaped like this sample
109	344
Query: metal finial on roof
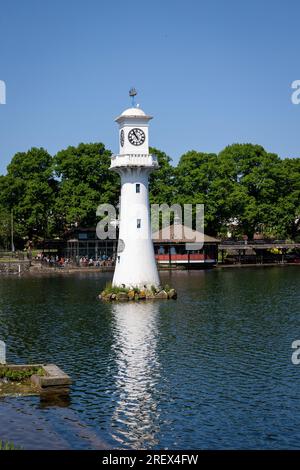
132	94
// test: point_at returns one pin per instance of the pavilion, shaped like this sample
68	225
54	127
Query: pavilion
174	248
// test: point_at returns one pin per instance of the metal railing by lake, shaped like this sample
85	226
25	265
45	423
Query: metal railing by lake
12	255
257	244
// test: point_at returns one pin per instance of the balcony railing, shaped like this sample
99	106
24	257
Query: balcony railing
146	160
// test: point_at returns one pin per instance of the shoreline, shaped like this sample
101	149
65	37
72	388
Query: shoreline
262	265
39	272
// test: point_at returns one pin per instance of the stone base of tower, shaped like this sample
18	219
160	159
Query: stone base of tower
121	294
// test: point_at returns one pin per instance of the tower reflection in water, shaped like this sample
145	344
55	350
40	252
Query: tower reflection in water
136	416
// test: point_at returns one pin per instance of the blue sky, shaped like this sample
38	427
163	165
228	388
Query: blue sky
210	72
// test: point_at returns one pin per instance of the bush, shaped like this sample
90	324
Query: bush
136	290
19	375
8	446
110	289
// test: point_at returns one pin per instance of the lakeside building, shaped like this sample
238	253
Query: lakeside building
169	251
83	242
174	251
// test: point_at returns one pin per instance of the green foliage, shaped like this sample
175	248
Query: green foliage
29	189
244	189
196	178
136	289
110	289
85	181
161	181
264	190
19	375
5	229
4	445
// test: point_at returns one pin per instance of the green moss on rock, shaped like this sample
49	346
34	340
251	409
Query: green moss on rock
19	375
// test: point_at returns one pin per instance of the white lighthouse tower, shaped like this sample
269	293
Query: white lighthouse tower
135	263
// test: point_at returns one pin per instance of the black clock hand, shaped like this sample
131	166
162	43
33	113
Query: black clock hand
135	135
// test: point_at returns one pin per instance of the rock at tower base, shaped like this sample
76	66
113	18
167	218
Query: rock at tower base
122	294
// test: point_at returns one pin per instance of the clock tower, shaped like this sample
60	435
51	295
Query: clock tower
135	262
133	131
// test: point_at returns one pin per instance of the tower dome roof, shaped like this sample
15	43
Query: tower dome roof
137	113
133	112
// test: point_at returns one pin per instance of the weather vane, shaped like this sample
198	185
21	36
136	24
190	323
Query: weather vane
132	94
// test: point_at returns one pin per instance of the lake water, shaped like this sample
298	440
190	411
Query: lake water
211	370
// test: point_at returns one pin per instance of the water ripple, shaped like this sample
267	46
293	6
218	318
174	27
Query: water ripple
211	370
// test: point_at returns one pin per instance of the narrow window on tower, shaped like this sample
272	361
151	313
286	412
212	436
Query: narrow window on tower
118	259
138	223
138	188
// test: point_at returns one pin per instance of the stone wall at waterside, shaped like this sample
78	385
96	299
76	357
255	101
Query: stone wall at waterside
14	267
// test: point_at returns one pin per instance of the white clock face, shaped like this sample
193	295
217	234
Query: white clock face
136	136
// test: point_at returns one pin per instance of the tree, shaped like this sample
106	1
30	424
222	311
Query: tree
244	186
4	228
161	181
263	189
195	177
29	190
85	181
287	210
